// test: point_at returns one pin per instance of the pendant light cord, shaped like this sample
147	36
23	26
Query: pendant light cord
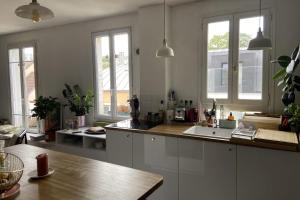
260	7
164	19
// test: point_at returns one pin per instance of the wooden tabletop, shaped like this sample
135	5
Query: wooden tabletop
81	178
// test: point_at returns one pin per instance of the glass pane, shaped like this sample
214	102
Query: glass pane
121	47
28	54
250	62
103	74
14	55
217	60
29	85
16	91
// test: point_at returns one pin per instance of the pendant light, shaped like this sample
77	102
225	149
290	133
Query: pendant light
34	11
165	50
260	42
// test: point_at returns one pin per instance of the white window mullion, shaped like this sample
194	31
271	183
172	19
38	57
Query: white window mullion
267	70
235	60
112	76
25	124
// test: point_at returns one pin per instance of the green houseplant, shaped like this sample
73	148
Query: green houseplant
77	102
286	76
46	110
290	82
294	111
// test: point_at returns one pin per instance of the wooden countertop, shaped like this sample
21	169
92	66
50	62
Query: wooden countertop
171	129
81	178
271	136
177	129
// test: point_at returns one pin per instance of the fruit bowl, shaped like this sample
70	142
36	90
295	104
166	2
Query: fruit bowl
11	170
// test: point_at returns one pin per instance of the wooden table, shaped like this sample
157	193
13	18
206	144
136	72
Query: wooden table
81	178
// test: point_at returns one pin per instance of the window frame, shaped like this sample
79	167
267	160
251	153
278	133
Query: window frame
20	46
233	73
206	21
110	33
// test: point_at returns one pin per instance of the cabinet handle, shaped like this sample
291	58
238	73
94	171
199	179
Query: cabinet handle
230	149
153	139
128	136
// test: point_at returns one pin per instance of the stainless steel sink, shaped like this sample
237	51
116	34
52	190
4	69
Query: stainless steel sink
209	132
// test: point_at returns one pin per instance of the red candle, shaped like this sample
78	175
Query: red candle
42	164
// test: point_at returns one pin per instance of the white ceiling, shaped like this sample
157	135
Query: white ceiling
69	11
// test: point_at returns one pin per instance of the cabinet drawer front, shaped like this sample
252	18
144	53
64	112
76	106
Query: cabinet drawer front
207	170
158	154
119	147
265	174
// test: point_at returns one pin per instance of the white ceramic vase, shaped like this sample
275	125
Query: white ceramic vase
41	126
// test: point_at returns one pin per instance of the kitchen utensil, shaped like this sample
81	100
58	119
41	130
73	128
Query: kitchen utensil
180	114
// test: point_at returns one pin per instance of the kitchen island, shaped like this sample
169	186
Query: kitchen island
81	178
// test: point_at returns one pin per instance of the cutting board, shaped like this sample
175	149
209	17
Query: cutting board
262	122
278	137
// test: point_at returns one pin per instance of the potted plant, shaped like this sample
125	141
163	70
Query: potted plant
290	82
294	112
78	103
46	110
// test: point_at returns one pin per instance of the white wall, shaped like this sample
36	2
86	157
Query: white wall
154	76
65	52
65	55
287	36
187	40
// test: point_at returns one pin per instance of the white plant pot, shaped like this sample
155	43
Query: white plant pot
41	126
81	121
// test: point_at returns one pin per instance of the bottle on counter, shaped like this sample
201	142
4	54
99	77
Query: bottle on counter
162	111
231	117
171	104
186	106
222	115
192	113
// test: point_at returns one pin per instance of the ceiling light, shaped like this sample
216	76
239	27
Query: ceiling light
165	50
260	42
34	11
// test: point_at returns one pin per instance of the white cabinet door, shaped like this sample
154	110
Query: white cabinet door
265	174
158	154
207	170
119	147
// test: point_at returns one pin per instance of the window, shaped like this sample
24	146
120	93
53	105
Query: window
112	73
22	85
232	73
250	72
217	53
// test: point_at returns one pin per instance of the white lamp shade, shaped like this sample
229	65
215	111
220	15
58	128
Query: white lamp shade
260	42
165	50
34	11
